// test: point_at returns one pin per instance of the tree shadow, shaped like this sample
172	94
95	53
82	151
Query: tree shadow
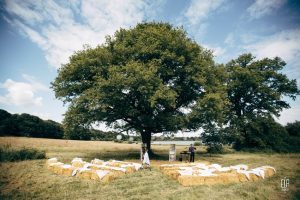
125	155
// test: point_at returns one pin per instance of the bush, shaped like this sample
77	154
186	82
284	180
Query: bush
215	148
9	154
197	144
263	134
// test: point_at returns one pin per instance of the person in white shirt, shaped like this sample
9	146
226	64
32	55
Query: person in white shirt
146	160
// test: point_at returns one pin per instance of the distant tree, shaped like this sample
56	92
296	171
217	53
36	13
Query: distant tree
213	138
255	90
263	133
5	127
4	115
151	78
29	126
293	130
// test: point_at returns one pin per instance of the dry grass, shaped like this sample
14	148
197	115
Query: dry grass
31	179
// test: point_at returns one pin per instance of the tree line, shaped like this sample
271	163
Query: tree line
29	126
32	126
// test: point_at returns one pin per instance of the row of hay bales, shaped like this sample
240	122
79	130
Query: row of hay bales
100	170
190	174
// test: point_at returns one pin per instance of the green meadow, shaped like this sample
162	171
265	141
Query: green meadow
30	179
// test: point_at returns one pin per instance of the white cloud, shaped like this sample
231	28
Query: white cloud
289	115
198	11
44	116
217	50
61	27
262	8
22	93
229	40
284	44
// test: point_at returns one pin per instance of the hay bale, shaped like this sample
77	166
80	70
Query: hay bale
174	174
242	178
104	176
129	169
53	166
117	171
78	163
67	170
254	177
52	160
191	180
269	171
227	178
212	180
84	173
239	167
98	162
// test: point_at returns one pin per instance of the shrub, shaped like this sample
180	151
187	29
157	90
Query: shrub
215	148
197	144
9	154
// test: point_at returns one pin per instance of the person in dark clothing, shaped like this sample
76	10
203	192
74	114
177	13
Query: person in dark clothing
192	153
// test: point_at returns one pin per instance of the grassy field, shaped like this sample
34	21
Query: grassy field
31	179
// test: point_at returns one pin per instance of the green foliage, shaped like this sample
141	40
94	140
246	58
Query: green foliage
28	125
263	134
256	87
293	130
255	91
215	148
213	137
197	144
143	79
9	154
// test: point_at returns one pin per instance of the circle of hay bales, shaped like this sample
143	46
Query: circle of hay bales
99	170
191	174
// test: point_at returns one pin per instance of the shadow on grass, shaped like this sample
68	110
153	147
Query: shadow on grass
125	155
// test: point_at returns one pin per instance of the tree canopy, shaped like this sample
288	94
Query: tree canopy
255	91
151	78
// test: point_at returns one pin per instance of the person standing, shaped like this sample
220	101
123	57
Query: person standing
192	153
146	160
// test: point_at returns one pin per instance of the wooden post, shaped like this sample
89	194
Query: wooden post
143	150
172	153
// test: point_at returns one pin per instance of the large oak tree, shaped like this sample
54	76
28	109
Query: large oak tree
150	79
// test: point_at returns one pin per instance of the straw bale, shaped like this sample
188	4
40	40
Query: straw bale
53	166
67	170
98	162
105	179
227	178
52	160
242	177
129	169
254	177
211	180
78	163
84	173
174	174
191	180
268	171
115	170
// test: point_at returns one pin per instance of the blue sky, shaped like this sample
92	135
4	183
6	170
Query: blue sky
37	36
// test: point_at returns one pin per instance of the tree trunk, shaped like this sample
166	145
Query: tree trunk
146	139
